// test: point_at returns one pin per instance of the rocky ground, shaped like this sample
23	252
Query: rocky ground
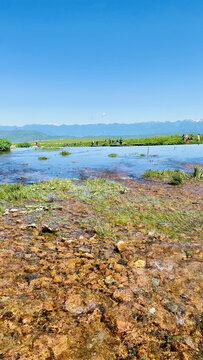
104	271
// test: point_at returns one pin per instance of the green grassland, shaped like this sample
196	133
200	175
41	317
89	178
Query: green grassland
156	140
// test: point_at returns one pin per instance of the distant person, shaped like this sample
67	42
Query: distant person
198	139
191	138
183	137
93	143
37	143
120	141
97	143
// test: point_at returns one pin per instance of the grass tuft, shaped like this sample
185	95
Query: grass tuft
112	155
176	179
42	158
65	153
198	174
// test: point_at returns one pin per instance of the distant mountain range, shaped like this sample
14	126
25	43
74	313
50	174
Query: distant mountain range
45	132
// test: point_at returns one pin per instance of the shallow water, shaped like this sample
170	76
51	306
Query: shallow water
85	159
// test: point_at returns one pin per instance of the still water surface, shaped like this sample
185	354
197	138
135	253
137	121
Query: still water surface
84	160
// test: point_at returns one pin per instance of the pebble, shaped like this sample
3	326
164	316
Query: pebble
152	311
120	246
109	280
122	262
140	263
172	307
155	282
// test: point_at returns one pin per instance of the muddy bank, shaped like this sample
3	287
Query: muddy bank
70	290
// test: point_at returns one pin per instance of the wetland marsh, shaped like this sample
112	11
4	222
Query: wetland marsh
106	266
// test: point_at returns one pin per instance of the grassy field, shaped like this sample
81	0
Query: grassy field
156	140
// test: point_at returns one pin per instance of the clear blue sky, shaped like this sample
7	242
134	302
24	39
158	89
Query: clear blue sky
89	61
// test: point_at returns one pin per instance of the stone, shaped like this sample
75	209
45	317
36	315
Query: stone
172	307
74	304
48	229
122	262
120	246
60	347
88	256
125	295
140	263
123	326
152	311
29	277
155	282
109	280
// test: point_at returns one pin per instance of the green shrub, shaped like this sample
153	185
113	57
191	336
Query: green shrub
42	158
112	155
176	179
4	145
142	155
65	153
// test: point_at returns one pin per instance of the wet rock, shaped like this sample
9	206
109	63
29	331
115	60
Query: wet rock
29	277
33	225
88	256
155	282
140	263
152	311
48	229
60	346
123	326
124	295
174	307
122	262
7	315
109	280
120	246
75	305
